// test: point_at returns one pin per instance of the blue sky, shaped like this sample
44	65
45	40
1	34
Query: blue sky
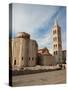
38	20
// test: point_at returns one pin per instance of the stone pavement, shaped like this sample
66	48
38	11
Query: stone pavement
44	78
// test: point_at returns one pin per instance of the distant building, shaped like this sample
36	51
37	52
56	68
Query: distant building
57	43
24	51
64	56
45	58
44	51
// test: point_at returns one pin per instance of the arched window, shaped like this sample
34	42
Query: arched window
32	58
14	62
54	53
29	58
22	58
54	32
56	45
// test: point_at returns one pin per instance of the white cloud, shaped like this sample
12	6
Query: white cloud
46	41
28	17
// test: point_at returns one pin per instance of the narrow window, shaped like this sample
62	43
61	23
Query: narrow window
56	45
14	62
54	53
32	58
29	58
22	58
54	31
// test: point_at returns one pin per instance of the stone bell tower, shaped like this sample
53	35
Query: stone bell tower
57	43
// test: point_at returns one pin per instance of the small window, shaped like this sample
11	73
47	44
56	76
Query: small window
54	53
29	58
55	46
22	58
32	58
54	32
14	62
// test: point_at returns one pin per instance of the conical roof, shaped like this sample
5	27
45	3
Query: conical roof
22	35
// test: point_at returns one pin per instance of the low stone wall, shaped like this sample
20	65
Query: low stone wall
37	69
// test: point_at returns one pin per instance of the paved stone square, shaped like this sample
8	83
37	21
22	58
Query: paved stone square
44	78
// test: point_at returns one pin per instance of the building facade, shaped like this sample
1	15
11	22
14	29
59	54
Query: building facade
24	51
57	43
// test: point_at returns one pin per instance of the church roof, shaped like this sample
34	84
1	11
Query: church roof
43	51
22	35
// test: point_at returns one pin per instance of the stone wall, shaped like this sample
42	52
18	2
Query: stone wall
47	60
33	48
